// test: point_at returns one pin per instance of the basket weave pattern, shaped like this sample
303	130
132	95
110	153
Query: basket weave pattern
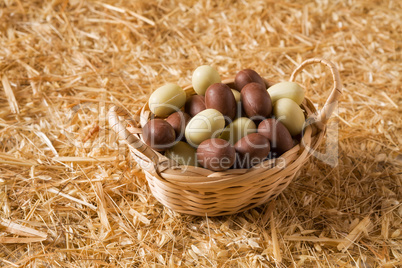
199	191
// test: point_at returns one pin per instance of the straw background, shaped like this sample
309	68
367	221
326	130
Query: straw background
71	196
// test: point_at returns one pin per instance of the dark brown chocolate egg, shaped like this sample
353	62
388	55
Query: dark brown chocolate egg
158	134
277	134
216	154
251	150
256	101
220	97
194	105
247	76
179	121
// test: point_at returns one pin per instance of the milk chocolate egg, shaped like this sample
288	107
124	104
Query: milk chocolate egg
251	150
256	101
158	134
247	76
166	100
194	105
220	97
277	134
203	77
179	121
216	154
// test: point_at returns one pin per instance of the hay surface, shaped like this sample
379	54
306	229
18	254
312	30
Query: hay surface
71	197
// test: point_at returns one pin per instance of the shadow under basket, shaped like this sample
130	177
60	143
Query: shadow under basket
199	191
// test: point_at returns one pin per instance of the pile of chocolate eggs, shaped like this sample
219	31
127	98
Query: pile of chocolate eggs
221	127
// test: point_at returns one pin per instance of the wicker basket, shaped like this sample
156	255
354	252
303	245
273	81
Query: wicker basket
199	191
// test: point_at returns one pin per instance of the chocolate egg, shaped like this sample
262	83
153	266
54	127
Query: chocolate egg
247	76
239	128
179	121
220	97
290	90
158	134
183	154
236	94
194	105
205	125
216	154
203	77
290	114
166	100
256	101
277	134
251	150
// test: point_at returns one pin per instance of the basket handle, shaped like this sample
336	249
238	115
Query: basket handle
336	92
141	150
